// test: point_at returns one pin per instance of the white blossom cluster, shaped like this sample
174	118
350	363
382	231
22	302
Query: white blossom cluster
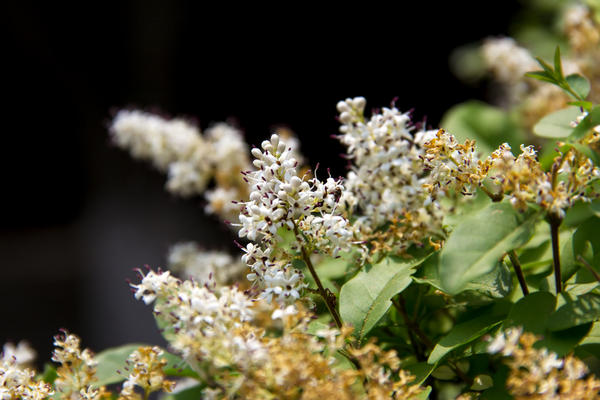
189	158
17	382
388	175
173	146
508	63
507	60
22	353
203	320
279	198
204	266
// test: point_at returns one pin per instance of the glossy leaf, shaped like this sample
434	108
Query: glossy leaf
532	312
466	332
496	284
558	124
420	371
475	246
365	298
576	311
579	84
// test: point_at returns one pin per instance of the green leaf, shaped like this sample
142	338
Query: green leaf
421	372
586	238
177	367
557	64
49	374
532	312
466	332
558	124
563	342
586	105
579	84
588	123
546	67
495	284
191	393
424	395
365	298
576	311
475	246
541	76
593	336
489	126
114	359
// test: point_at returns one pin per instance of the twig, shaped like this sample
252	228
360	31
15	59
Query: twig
328	297
400	305
496	197
519	271
554	224
589	267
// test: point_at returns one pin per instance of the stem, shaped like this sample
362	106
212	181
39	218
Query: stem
589	267
496	197
400	305
554	224
460	373
328	297
517	266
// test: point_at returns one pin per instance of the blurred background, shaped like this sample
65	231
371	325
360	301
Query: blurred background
79	214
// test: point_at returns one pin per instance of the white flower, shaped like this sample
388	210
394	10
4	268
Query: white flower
388	175
22	353
204	266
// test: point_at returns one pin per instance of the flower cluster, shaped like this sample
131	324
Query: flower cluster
145	371
22	354
523	179
457	167
203	266
453	166
281	200
540	374
203	320
257	350
18	382
387	179
508	62
76	376
189	158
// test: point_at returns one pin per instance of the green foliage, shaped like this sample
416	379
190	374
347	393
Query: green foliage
470	330
476	244
574	85
489	126
577	310
366	298
532	312
558	124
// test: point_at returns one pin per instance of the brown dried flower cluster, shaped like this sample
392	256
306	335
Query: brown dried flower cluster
540	374
456	167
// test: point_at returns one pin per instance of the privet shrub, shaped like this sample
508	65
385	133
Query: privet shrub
455	262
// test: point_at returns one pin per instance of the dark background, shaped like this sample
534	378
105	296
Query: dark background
78	214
